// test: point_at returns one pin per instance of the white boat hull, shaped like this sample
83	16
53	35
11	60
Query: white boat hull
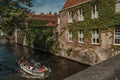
41	74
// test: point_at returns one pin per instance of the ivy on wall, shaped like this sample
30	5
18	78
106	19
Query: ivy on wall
107	17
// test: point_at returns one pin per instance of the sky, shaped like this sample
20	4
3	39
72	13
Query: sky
46	6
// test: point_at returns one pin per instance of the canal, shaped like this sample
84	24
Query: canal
60	68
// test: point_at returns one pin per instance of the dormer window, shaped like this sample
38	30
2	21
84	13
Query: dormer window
94	11
80	14
117	5
70	16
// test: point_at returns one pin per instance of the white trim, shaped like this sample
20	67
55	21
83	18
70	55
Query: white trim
70	17
95	43
94	11
114	38
80	42
116	44
80	35
70	36
95	35
117	7
74	5
80	14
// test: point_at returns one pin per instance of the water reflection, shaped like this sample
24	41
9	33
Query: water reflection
61	68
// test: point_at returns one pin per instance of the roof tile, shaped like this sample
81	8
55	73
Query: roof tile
70	3
48	17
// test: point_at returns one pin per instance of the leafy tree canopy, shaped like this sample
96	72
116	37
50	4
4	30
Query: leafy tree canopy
13	14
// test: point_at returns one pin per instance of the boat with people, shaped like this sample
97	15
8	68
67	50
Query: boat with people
33	68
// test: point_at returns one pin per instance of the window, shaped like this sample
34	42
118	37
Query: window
69	36
80	36
117	35
117	5
80	15
95	36
70	17
94	11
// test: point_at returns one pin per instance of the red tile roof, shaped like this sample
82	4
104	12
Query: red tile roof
52	18
50	24
45	17
70	3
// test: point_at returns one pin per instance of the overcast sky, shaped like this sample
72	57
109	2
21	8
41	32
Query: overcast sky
46	6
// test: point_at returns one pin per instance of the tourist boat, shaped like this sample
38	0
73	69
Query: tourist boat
41	71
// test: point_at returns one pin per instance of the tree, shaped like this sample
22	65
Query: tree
13	14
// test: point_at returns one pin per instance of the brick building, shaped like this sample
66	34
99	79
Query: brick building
52	19
89	30
38	21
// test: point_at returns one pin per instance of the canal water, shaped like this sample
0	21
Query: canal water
60	68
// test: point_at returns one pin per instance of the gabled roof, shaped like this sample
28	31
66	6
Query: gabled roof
70	3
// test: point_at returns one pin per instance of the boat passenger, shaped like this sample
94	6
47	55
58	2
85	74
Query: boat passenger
31	67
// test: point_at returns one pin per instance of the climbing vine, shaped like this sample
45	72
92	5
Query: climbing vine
107	17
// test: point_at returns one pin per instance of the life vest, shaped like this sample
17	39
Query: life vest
42	70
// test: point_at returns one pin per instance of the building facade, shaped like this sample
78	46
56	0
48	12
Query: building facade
40	32
90	30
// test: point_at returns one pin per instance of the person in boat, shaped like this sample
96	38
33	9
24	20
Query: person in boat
38	64
31	67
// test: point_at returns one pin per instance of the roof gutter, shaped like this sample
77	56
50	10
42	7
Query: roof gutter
74	5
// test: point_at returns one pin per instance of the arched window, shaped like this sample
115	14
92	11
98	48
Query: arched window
117	5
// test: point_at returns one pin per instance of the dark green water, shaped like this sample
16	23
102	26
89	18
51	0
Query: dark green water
61	68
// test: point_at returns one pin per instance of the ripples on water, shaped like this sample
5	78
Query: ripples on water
61	68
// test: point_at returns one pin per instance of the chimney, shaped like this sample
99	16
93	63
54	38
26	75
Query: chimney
55	14
50	13
33	13
42	13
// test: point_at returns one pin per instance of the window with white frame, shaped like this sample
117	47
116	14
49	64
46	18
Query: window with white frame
117	35
70	16
80	14
70	36
95	36
94	11
117	5
80	36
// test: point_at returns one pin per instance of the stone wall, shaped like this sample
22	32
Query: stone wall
85	52
106	70
20	37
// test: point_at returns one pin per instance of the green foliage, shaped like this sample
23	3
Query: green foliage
107	18
13	14
39	22
69	51
41	37
116	48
